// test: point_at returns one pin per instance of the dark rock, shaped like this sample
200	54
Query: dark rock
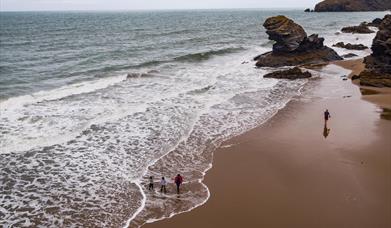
312	42
378	64
380	59
349	55
350	46
257	57
287	34
375	23
294	73
307	10
374	78
362	29
352	5
355	77
293	46
323	55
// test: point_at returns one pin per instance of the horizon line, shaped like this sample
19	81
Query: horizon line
145	9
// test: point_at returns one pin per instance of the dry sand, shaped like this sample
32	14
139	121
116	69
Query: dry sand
287	174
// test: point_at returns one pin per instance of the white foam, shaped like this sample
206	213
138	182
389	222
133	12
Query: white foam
138	209
228	145
62	92
115	133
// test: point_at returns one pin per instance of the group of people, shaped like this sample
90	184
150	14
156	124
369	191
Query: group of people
178	180
163	184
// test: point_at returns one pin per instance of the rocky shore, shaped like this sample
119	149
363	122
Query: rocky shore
294	48
350	46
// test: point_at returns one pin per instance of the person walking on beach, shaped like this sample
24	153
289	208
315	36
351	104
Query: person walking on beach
150	186
327	116
163	184
178	182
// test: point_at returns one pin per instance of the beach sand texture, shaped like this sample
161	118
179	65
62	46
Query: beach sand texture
286	173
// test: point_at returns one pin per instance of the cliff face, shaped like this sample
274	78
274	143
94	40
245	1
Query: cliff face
352	5
380	59
378	64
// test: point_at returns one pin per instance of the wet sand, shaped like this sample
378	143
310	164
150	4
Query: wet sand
286	173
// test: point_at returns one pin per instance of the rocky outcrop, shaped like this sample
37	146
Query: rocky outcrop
350	46
362	29
373	78
378	64
349	55
375	23
352	5
307	10
293	46
294	73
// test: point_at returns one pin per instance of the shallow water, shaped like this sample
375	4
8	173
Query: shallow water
93	103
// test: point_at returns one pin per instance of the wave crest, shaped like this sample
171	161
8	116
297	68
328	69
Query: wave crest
202	56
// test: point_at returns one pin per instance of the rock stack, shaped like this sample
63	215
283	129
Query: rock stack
293	46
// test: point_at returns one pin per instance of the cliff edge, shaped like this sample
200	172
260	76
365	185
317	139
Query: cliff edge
352	5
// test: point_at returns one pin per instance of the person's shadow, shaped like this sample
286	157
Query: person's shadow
326	131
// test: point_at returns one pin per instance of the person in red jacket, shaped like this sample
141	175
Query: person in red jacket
178	182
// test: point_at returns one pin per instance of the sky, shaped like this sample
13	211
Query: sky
32	5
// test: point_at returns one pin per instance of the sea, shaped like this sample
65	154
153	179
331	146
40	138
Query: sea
94	103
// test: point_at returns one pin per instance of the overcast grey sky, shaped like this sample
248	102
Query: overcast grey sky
23	5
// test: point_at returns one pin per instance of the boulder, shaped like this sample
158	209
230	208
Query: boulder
294	73
350	46
375	22
307	10
378	64
362	29
352	5
349	55
293	46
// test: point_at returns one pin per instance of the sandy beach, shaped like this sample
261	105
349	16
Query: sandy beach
287	173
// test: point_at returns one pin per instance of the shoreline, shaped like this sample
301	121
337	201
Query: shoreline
279	203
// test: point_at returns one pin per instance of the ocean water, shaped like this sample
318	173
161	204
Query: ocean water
93	103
